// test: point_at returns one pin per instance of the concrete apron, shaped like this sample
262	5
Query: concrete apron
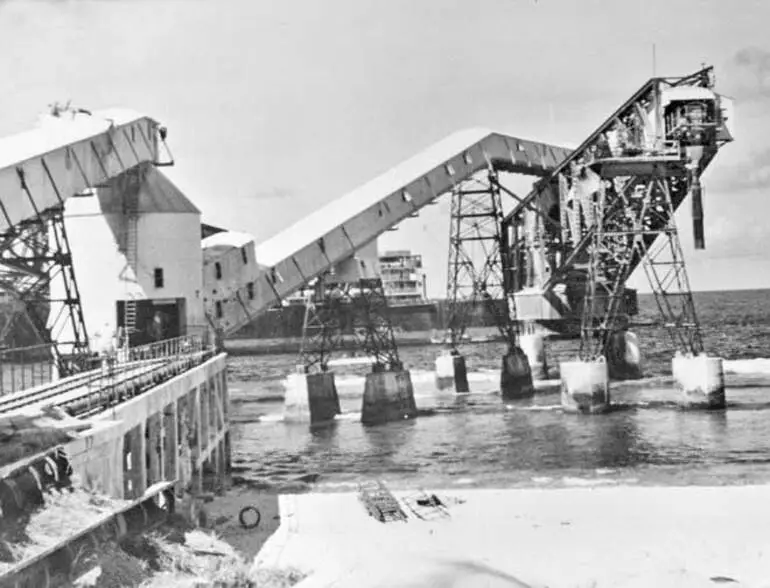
331	538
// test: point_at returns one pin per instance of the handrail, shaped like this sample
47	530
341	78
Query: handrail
25	367
167	348
182	351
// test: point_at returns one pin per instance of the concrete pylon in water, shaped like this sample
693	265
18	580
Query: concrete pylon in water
388	396
585	386
533	346
624	359
311	398
701	379
451	371
516	375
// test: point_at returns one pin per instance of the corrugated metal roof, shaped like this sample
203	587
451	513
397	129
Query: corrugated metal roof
157	194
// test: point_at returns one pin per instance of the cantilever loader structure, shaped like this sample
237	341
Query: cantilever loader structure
609	206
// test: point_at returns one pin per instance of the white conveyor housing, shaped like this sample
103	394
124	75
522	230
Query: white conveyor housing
332	234
68	154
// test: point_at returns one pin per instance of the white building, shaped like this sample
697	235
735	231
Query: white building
403	279
138	240
229	273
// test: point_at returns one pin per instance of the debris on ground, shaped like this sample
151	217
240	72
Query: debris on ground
205	560
26	434
426	506
380	502
62	514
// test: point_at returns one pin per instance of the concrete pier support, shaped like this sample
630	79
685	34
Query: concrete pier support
585	386
177	430
170	442
196	442
154	449
451	371
134	462
388	396
533	347
624	359
701	379
311	398
516	376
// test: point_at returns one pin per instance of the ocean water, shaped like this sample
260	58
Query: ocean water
478	440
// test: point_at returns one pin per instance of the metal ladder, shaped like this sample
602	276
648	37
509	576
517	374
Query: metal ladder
130	210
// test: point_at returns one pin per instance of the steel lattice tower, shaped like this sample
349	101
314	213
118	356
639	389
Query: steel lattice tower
475	266
365	303
33	257
637	227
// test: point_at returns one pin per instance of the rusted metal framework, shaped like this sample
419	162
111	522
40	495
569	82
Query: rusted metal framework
475	266
609	207
359	308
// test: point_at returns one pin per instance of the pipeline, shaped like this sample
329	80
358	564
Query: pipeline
67	560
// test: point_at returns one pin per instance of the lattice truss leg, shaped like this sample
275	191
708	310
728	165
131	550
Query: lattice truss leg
359	308
33	257
637	226
475	267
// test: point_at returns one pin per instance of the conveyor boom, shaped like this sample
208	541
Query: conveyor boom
41	168
335	232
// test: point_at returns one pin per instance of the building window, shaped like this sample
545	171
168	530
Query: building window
250	290
219	309
218	270
244	256
158	277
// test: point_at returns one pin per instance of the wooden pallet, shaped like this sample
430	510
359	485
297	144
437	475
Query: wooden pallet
380	502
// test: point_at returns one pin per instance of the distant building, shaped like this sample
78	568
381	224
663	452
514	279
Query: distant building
403	280
402	277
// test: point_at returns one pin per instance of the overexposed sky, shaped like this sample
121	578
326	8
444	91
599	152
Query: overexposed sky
274	107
